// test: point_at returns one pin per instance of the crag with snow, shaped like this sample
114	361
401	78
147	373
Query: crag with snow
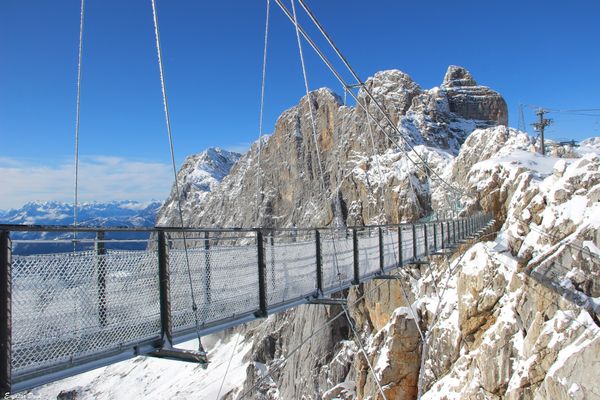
511	316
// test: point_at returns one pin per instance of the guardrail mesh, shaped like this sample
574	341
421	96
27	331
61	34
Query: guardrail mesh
61	308
337	257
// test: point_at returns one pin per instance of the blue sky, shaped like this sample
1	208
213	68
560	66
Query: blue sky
535	52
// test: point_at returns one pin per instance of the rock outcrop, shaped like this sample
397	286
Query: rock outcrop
363	177
471	101
477	325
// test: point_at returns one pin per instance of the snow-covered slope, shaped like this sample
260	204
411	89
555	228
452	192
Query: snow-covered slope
199	175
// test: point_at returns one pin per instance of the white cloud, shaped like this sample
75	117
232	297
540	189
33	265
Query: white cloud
101	178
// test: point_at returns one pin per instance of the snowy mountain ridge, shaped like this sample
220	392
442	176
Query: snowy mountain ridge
114	213
490	329
199	175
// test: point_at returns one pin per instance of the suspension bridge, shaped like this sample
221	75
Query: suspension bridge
65	313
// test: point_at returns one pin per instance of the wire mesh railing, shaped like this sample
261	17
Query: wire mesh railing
68	311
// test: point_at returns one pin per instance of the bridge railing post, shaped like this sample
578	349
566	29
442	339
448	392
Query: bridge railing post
435	241
443	242
5	313
319	260
414	235
208	269
164	288
399	245
426	239
381	250
355	257
454	231
262	275
101	277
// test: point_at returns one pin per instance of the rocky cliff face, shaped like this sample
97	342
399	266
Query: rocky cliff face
199	175
366	178
480	324
520	310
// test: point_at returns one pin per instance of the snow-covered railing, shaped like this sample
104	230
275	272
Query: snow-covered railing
68	312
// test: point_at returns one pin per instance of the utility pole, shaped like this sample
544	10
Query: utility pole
540	126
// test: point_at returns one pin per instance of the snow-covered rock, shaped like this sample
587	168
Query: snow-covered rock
199	175
491	328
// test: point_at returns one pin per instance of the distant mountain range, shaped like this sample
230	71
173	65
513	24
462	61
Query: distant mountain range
204	172
110	214
114	213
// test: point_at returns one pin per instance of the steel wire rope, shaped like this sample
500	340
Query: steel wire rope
555	301
362	85
341	80
259	181
77	113
282	362
228	365
174	167
560	241
258	174
324	191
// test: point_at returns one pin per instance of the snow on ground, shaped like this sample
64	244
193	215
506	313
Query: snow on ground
152	378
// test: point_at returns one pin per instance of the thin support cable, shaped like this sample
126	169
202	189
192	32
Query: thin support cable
177	191
292	352
229	363
378	164
355	97
308	99
78	108
358	80
412	312
363	351
260	123
314	133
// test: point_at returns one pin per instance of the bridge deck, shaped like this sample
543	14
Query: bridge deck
70	312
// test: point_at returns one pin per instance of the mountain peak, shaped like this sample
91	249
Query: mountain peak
458	76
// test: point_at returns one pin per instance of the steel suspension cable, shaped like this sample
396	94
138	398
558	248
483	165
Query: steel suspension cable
314	132
324	188
78	108
321	55
308	99
228	366
359	81
259	181
364	352
308	338
174	167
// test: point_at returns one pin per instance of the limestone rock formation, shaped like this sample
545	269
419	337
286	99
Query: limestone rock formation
478	325
472	101
199	175
367	178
